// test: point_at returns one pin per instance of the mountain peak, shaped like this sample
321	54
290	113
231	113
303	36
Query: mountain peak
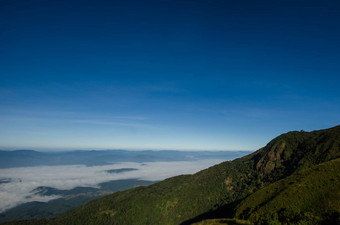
297	150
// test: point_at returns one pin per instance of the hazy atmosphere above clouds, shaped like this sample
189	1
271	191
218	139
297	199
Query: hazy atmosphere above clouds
193	75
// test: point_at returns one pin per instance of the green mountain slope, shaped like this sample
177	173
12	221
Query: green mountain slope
213	192
222	222
310	196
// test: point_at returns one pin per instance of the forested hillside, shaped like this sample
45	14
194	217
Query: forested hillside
308	196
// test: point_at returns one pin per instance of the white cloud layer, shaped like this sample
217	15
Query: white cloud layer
26	179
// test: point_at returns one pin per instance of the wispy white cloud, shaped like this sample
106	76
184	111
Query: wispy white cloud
26	179
36	113
129	117
67	114
168	88
249	112
122	123
132	121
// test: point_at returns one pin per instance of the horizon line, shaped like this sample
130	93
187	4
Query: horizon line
118	149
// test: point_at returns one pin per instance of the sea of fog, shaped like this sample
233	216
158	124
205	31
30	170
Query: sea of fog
17	184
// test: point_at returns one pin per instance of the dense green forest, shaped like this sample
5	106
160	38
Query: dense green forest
294	179
308	196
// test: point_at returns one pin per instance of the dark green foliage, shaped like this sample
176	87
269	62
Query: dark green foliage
310	196
181	199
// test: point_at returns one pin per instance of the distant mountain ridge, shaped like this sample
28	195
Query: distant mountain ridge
230	189
24	158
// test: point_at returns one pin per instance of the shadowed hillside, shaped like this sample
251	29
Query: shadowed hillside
216	191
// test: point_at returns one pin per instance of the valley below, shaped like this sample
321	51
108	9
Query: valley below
46	185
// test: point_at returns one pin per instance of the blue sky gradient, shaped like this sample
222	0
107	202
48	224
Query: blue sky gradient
191	75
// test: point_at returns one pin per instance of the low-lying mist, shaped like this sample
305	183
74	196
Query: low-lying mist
18	184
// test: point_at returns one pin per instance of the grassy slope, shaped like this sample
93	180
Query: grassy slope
180	199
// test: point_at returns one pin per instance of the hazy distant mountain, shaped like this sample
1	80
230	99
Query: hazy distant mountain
23	158
293	179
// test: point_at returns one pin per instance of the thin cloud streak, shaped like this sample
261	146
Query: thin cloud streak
75	117
118	123
67	114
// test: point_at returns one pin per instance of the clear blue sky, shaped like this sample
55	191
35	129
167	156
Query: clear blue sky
198	75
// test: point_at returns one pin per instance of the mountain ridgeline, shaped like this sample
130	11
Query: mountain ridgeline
294	179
